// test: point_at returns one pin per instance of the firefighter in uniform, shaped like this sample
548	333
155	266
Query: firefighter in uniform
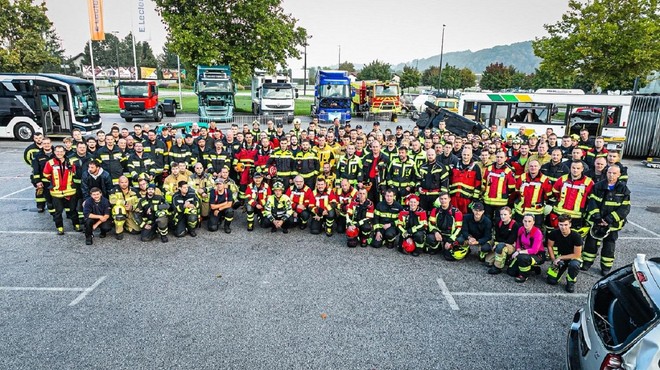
499	184
255	197
349	168
385	216
202	183
28	156
153	212
445	224
534	191
217	159
529	254
401	174
571	193
282	159
278	213
609	205
221	200
505	232
112	159
59	173
433	179
465	185
345	195
565	250
185	205
96	210
140	164
124	200
171	182
301	197
159	154
307	164
244	165
323	208
412	223
42	195
374	167
360	214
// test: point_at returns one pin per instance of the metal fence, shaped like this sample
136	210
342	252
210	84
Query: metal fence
643	133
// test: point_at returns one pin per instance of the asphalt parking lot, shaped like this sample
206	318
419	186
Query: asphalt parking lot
262	300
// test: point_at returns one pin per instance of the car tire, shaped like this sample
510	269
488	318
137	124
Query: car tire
158	115
23	131
128	119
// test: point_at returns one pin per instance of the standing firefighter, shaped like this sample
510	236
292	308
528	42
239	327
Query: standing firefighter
359	220
59	173
609	205
465	186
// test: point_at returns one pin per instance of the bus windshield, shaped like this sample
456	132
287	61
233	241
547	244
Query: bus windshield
277	93
387	90
334	91
84	100
134	91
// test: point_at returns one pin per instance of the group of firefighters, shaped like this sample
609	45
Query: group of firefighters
509	199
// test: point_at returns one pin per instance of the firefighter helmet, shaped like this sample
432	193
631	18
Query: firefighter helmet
240	167
408	245
272	171
352	232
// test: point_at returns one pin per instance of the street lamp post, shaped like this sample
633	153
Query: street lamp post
116	33
339	58
305	68
442	48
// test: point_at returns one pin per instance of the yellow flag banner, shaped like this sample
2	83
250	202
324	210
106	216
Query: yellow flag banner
148	73
95	9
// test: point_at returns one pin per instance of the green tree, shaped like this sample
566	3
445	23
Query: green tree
168	58
410	77
497	76
608	42
430	76
243	34
347	66
451	78
468	78
376	70
28	42
543	79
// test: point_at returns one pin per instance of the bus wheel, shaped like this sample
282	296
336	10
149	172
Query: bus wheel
23	131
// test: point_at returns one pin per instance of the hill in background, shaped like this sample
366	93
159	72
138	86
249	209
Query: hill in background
520	55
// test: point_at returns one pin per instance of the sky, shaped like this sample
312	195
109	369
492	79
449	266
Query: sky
392	31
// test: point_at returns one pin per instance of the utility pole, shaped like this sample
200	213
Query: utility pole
305	68
116	33
339	58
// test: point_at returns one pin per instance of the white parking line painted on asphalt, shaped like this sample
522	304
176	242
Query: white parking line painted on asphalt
83	291
17	199
33	232
515	294
16	192
84	294
638	238
643	228
447	295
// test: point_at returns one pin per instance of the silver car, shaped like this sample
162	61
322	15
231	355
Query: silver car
618	328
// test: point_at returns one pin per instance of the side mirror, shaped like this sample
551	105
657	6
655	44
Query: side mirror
296	94
256	94
116	89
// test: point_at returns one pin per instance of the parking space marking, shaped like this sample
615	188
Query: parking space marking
32	232
84	294
638	238
17	199
16	192
518	294
83	291
447	294
645	229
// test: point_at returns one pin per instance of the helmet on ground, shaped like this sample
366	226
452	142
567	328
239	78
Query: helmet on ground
352	232
408	245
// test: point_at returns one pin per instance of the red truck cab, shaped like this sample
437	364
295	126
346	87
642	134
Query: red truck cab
139	99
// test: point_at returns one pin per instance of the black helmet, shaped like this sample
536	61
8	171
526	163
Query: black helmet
599	232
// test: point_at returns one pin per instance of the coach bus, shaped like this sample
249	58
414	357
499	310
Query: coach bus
565	111
49	103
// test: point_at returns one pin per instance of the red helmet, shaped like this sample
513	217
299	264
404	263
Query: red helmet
408	245
272	171
352	232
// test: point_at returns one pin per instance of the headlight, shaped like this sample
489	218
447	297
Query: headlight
122	110
150	111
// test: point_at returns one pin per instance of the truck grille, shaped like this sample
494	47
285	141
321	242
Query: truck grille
134	105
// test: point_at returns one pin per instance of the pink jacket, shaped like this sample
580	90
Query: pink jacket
532	241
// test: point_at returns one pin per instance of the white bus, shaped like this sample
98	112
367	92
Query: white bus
49	103
565	111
